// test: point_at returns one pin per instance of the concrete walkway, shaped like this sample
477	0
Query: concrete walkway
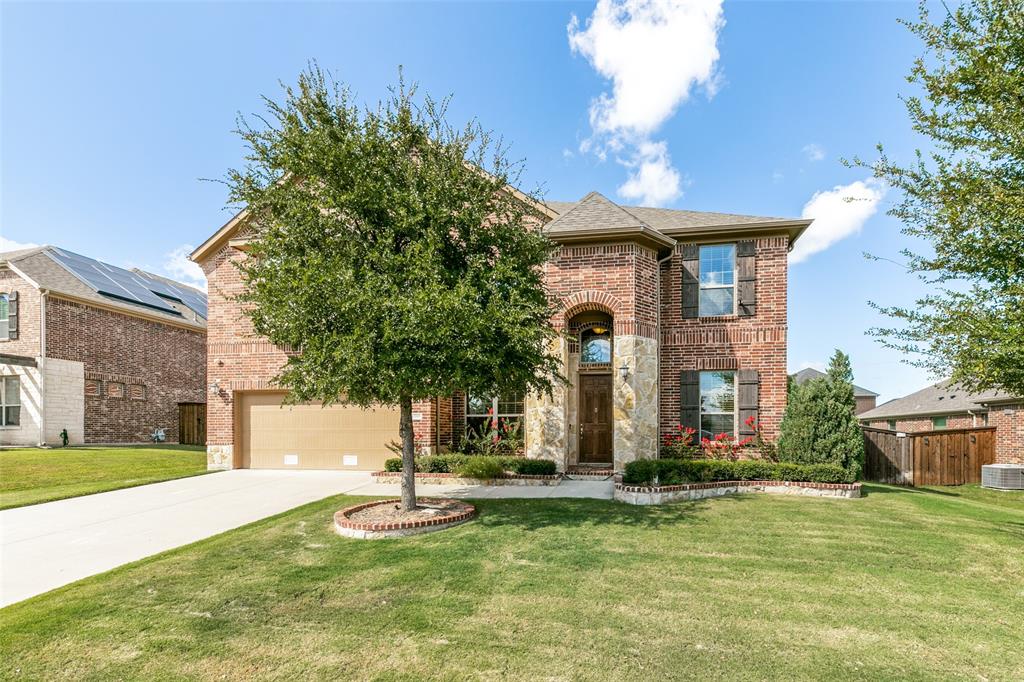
45	546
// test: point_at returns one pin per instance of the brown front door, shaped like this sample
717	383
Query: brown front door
595	418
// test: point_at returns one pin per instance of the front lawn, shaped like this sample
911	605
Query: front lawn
903	584
33	475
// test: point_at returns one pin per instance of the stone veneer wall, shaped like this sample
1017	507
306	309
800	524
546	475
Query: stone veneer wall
65	403
635	399
546	428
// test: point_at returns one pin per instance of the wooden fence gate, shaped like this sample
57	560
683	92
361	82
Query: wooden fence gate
192	423
947	457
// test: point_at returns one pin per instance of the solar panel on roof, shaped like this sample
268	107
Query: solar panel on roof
192	299
111	281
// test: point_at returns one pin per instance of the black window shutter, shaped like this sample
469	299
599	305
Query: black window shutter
691	279
748	389
689	399
12	315
746	265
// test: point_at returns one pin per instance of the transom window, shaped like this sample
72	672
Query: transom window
10	401
596	345
4	317
717	280
507	409
717	403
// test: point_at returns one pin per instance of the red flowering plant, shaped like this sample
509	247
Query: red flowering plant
724	446
496	436
680	444
765	449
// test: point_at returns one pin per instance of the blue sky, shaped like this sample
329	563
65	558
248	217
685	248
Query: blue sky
112	113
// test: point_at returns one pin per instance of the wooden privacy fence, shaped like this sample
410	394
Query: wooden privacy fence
192	423
947	457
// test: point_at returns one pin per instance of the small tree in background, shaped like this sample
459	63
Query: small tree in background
820	426
388	248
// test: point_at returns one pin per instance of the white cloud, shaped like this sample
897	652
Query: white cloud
837	213
778	176
652	179
178	266
11	245
814	152
656	53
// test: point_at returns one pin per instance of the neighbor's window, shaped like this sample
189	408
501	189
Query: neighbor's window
938	422
717	403
10	401
508	408
596	345
717	280
892	424
4	329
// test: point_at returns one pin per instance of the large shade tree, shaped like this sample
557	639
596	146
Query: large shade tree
389	250
964	197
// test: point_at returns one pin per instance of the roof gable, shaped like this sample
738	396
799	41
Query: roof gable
808	373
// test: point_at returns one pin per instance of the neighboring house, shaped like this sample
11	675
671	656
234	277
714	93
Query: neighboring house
106	353
865	399
946	405
710	286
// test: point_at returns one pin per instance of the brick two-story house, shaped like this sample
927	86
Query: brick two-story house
669	317
107	354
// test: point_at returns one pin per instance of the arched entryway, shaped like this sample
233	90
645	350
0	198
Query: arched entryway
590	401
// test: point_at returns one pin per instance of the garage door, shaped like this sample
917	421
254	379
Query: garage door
276	436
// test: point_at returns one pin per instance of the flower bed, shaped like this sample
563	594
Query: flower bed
429	478
645	495
383	518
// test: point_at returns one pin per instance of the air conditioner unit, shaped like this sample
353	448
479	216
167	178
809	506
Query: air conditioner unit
1003	476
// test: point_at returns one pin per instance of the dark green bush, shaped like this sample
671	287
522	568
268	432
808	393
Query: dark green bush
678	471
480	467
531	467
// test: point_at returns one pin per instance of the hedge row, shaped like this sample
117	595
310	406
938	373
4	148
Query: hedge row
678	471
455	464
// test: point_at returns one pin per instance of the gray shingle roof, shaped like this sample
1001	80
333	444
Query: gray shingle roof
944	397
808	373
593	211
669	218
53	276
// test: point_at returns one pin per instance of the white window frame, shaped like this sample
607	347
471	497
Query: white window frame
5	320
735	401
4	404
494	413
701	286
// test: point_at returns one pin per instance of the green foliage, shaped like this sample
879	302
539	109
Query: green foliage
819	426
498	436
679	471
387	246
964	199
452	463
481	467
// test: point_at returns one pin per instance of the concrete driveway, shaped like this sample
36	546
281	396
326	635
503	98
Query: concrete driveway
45	546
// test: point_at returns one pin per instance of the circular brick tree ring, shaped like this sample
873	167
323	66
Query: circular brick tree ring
447	513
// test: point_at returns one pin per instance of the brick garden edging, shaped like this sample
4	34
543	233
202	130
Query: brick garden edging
454	479
343	525
633	494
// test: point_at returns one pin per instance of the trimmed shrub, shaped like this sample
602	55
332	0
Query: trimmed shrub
679	471
531	467
480	467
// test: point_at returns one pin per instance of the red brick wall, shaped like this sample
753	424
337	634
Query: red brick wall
917	425
27	343
729	342
121	349
1009	423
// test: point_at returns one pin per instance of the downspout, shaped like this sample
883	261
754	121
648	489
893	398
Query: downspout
658	340
42	367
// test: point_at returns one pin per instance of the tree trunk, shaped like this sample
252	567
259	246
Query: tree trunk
408	456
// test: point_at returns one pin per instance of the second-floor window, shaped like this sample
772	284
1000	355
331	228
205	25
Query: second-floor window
717	280
4	317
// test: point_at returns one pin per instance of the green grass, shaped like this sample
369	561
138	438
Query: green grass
902	584
34	475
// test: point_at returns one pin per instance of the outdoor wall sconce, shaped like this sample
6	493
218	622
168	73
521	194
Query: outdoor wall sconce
624	371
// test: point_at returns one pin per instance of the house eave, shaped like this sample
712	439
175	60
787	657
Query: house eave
792	228
642	234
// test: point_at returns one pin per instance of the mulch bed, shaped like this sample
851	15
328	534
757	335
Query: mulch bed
427	509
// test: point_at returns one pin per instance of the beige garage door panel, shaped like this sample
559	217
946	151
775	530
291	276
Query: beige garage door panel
314	437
